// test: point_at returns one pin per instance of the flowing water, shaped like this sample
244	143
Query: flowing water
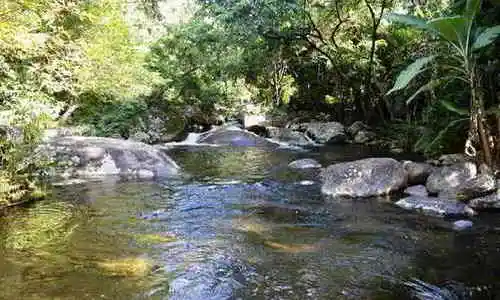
240	225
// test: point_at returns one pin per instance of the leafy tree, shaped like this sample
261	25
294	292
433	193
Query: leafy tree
464	42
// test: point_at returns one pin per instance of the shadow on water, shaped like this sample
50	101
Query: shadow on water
240	227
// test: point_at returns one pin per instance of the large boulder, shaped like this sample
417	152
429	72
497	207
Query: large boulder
448	179
289	136
325	133
417	172
364	178
78	156
234	137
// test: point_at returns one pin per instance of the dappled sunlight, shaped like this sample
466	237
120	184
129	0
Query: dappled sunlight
292	248
125	267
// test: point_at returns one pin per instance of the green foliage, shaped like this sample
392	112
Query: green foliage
410	73
459	61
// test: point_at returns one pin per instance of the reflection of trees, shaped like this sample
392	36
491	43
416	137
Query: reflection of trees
218	162
468	258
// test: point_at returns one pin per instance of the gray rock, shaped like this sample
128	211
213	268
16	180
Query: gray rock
491	201
364	178
289	136
357	127
325	133
416	190
238	138
417	172
105	156
462	225
434	206
447	179
452	159
481	185
364	136
306	163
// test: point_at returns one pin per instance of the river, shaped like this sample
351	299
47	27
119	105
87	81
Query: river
239	225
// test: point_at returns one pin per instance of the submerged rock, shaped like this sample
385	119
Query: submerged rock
462	225
435	206
364	178
325	133
417	172
306	163
77	156
448	179
238	138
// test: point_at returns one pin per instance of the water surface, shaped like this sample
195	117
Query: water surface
241	225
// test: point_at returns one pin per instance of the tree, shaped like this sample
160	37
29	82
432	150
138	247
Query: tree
458	61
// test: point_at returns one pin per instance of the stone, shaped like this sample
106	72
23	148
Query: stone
435	206
417	172
364	136
462	225
416	190
447	179
481	185
357	127
305	163
289	136
452	159
491	201
238	138
325	133
97	157
364	178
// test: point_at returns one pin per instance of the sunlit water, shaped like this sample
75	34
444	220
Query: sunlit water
239	225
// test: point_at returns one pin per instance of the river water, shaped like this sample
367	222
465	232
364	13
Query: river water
239	225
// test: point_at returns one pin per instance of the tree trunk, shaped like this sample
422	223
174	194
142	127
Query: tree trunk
478	119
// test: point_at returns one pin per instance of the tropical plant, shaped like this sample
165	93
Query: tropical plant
463	42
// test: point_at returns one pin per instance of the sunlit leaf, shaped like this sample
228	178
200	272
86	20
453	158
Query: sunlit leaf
486	37
453	29
410	72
